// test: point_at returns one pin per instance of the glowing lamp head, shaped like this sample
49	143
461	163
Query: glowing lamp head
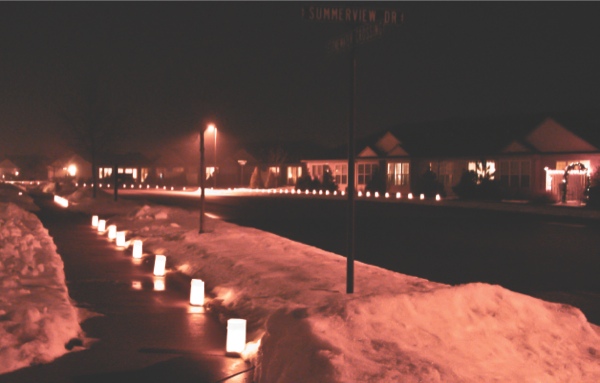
236	336
197	292
137	249
211	128
159	265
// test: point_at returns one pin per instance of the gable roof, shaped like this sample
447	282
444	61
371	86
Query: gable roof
552	137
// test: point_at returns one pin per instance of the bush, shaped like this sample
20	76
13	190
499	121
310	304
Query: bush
472	187
429	185
594	197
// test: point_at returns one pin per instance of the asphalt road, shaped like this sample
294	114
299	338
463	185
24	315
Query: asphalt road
556	259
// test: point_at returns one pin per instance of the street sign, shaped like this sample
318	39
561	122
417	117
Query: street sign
338	14
363	33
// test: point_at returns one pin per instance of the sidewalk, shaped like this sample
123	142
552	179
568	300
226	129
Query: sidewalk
138	333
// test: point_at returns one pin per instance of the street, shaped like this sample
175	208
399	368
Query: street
556	259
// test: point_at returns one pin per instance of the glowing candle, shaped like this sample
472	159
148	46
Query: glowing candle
137	249
410	196
159	284
197	292
159	265
95	221
398	195
437	197
121	238
368	194
236	336
101	226
112	232
422	196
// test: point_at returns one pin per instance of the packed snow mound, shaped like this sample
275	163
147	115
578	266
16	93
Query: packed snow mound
302	327
17	195
82	200
37	318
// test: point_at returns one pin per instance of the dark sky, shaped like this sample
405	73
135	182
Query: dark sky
262	73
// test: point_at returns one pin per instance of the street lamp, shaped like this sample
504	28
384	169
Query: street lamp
242	163
202	174
213	128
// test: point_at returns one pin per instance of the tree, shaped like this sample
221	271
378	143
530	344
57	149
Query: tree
92	124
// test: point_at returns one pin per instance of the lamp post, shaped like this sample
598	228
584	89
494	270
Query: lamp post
213	129
202	174
242	163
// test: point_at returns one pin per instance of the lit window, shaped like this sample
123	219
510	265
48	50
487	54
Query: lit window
399	173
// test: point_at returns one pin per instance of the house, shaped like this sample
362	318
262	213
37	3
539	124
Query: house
8	170
70	167
527	156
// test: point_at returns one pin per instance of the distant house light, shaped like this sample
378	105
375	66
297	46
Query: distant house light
72	170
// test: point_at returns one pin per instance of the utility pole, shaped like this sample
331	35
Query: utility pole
367	24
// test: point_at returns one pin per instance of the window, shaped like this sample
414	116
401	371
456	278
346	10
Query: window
398	173
293	173
515	174
317	172
488	171
365	173
445	173
341	174
274	170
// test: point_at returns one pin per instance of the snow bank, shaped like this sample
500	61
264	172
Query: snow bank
395	328
37	318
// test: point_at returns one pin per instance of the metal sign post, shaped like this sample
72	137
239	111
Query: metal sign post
368	25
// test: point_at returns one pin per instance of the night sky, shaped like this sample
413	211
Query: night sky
262	73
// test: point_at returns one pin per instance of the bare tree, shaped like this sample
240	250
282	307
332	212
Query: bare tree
91	125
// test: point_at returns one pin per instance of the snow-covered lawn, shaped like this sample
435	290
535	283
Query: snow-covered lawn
302	327
37	318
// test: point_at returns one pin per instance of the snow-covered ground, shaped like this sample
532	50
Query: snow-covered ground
302	327
37	318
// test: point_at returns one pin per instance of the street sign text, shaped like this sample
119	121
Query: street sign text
352	15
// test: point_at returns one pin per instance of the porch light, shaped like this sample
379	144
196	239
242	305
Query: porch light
236	336
159	265
121	239
101	226
112	232
137	249
410	196
94	221
197	292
